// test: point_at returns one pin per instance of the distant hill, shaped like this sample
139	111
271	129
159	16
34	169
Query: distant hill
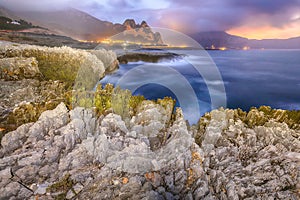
15	25
219	39
72	22
82	26
291	43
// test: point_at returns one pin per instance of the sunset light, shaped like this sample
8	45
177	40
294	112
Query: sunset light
149	99
267	32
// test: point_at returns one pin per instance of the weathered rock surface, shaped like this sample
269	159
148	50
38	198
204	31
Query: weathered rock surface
34	79
100	157
249	161
64	63
74	154
24	100
19	68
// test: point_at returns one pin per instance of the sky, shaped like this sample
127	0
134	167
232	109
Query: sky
255	19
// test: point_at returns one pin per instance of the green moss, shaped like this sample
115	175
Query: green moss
134	102
240	114
53	67
121	102
294	115
167	102
103	98
267	110
62	187
23	114
108	98
259	116
202	124
62	64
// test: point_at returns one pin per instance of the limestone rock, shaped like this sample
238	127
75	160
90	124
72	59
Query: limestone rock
18	68
248	159
75	154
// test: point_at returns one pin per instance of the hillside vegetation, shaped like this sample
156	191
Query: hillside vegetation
6	24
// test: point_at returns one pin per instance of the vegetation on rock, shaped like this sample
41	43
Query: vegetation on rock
61	187
108	99
8	24
28	80
19	68
64	63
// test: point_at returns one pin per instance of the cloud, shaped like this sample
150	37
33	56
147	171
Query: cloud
30	5
266	6
183	15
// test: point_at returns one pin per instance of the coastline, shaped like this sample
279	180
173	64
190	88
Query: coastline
139	150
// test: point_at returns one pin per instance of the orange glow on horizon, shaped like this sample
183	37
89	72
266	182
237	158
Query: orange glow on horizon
246	48
267	32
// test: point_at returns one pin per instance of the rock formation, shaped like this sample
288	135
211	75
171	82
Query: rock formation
76	154
34	79
138	33
125	147
251	155
129	24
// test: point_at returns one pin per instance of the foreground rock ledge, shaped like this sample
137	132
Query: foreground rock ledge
34	78
73	154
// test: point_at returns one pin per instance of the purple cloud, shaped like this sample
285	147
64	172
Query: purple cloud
183	15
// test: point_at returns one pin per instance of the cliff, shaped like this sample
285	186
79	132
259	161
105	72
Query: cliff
138	33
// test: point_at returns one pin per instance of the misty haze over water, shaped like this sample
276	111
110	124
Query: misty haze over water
251	78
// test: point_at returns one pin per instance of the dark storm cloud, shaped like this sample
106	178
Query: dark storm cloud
184	15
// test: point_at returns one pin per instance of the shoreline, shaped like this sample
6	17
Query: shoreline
115	145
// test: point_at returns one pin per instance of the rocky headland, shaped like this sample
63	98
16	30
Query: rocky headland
146	56
34	78
108	144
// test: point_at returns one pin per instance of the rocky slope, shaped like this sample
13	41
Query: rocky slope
43	37
72	22
150	155
82	26
34	79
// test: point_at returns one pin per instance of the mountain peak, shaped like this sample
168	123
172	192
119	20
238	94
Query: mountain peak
129	24
144	24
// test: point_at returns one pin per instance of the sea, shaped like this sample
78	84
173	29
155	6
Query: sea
204	80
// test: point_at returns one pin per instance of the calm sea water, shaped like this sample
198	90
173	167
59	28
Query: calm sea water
251	78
